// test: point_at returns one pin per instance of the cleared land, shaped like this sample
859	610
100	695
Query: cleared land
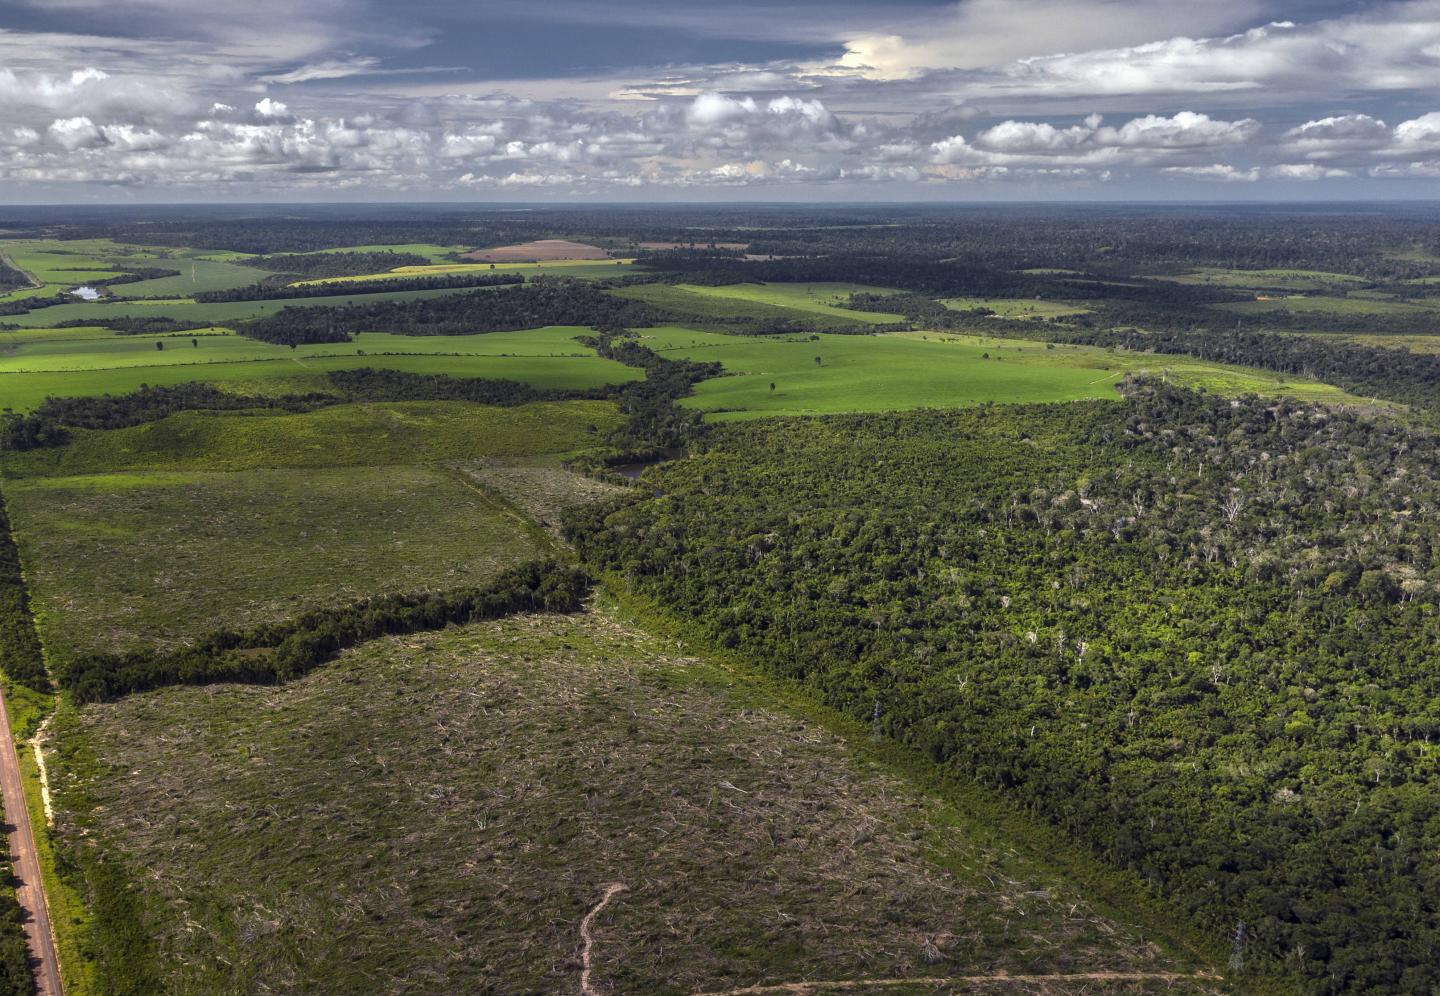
932	370
122	562
445	812
541	250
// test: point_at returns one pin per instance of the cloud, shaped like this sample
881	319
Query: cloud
1185	130
1222	172
1337	135
1306	172
1419	135
982	33
267	108
76	133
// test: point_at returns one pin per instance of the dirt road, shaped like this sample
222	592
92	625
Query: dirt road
29	890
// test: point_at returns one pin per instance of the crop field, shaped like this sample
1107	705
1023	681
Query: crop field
931	370
442	812
133	561
1010	307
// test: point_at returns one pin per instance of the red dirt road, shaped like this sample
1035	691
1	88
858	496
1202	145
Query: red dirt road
29	889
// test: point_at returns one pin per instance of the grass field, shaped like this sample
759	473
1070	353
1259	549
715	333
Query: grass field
1351	305
826	300
439	813
1409	343
61	264
1277	279
40	363
196	275
932	370
1011	307
394	434
135	561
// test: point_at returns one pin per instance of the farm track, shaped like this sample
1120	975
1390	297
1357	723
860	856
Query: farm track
29	887
34	280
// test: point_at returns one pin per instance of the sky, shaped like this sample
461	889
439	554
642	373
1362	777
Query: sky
662	100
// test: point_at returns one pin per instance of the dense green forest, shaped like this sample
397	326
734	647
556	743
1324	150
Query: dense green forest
335	264
1197	634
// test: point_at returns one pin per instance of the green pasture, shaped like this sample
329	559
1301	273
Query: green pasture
196	276
930	370
68	263
41	363
378	434
824	299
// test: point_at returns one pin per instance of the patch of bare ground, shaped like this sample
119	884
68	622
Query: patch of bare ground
539	251
454	812
541	492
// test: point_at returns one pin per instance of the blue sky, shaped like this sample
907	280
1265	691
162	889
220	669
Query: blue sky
608	100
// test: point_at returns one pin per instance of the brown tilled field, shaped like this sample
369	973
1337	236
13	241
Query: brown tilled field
539	251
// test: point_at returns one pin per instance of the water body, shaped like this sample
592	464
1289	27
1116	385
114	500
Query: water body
634	470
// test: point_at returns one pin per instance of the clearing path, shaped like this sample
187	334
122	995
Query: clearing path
29	888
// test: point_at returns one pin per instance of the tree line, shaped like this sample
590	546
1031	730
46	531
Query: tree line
19	643
280	289
282	651
540	302
1195	633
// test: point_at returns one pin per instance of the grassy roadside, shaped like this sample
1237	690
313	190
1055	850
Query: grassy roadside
968	809
69	918
68	915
